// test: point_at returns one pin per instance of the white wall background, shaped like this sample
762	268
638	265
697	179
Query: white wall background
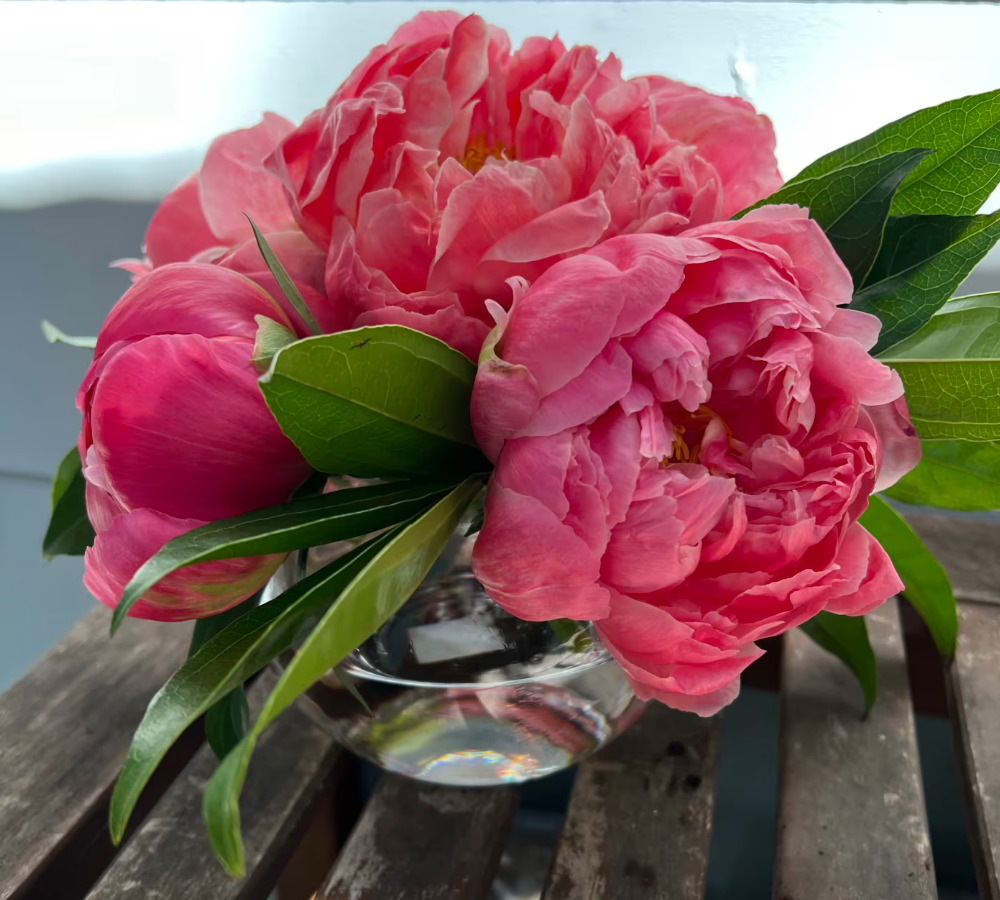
118	101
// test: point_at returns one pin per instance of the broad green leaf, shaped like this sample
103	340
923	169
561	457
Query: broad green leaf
306	522
69	531
961	475
226	721
851	204
846	637
922	261
384	401
271	337
370	599
962	173
952	399
964	328
925	583
951	371
285	282
55	335
226	661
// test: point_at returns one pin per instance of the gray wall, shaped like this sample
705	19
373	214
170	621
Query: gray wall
54	265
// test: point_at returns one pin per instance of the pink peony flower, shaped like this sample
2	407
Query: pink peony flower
445	164
204	219
686	430
176	434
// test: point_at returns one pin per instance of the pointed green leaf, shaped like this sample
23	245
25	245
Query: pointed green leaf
925	583
306	522
369	600
350	684
962	173
384	402
846	637
285	282
964	328
851	204
69	531
951	371
227	721
962	475
922	261
225	661
54	335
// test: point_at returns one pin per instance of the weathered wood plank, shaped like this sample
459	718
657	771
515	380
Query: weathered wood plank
851	817
294	769
423	842
64	731
974	689
640	815
968	548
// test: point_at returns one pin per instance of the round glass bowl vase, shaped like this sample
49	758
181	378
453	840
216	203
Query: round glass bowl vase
460	692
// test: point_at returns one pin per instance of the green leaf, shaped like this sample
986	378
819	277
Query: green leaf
369	600
349	684
271	337
227	721
962	475
964	328
962	173
54	335
285	282
851	204
846	637
384	402
925	583
223	663
951	371
922	261
306	522
69	531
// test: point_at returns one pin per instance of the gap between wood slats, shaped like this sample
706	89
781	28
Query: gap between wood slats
639	822
418	841
296	769
974	698
64	731
851	818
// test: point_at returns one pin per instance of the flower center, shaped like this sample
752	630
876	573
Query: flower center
478	151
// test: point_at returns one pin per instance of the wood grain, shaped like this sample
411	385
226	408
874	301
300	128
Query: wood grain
968	547
64	731
851	818
640	815
974	689
423	842
295	768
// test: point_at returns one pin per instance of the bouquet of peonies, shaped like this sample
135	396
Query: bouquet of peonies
679	382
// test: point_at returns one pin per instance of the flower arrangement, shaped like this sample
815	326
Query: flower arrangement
681	383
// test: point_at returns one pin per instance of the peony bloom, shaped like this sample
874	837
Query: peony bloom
204	220
446	164
176	434
686	430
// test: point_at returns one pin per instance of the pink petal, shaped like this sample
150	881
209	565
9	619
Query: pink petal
532	564
181	427
188	298
193	592
897	439
179	229
234	182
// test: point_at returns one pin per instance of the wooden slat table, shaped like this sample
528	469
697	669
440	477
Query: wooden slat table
851	819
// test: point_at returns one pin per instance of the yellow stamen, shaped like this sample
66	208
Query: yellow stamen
477	152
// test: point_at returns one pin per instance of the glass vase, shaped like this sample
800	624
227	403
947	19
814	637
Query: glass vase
460	692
